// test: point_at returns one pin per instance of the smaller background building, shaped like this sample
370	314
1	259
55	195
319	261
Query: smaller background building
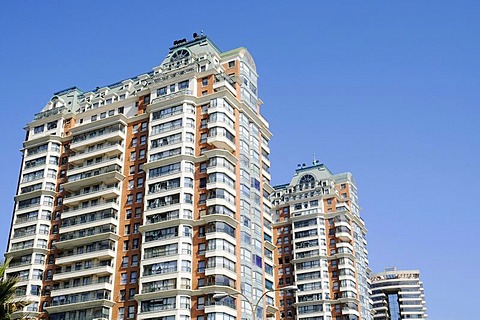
398	294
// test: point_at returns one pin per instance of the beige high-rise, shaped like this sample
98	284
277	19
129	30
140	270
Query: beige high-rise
321	247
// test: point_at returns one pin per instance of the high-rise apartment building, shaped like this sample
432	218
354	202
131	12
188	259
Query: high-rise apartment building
398	295
144	198
321	247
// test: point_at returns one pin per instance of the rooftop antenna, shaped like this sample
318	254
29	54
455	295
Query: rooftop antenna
314	159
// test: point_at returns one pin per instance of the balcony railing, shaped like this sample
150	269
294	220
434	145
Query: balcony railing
81	267
92	190
88	233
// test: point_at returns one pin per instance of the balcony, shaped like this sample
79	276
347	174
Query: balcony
68	258
106	149
105	192
218	216
82	271
67	289
178	94
220	200
70	239
343	234
106	175
114	133
221	141
225	84
92	165
78	302
94	221
89	208
221	269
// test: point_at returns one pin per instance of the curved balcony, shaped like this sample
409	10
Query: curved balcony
221	141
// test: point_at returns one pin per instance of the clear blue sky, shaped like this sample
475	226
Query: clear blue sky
388	90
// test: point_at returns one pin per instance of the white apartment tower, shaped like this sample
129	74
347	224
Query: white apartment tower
144	198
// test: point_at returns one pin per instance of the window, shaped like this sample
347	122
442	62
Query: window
138	212
130	199
183	85
125	245
140	182
201	248
133	277
162	91
231	64
134	142
204	93
103	115
144	126
38	129
135	228
141	154
122	296
205	81
124	262
121	312
139	197
111	113
203	138
200	303
123	278
201	266
172	88
131	312
121	110
135	244
127	229
134	260
131	294
52	125
94	117
143	140
132	169
133	156
128	214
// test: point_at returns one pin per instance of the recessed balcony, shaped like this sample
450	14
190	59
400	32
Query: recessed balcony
105	192
77	272
108	175
79	144
68	258
106	149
